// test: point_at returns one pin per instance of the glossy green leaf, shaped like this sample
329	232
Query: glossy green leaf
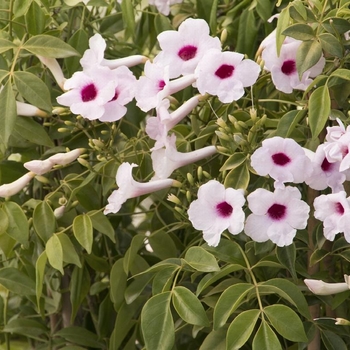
333	341
20	7
32	131
299	31
241	329
136	244
79	288
101	223
128	16
4	221
300	8
44	221
3	74
265	338
35	19
162	244
18	227
163	279
331	45
234	161
29	85
6	45
282	24
27	327
70	255
97	263
289	122
246	38
207	10
136	287
9	114
17	281
188	307
228	251
157	323
49	46
319	109
287	256
215	340
341	73
118	279
199	259
39	275
54	253
83	231
229	301
238	177
308	54
80	336
286	322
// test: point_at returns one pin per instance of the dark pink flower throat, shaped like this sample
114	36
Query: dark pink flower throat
277	211
88	93
187	52
224	71
161	85
326	165
288	67
224	209
339	208
280	159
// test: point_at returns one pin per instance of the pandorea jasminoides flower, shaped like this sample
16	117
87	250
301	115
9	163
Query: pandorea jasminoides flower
28	110
216	210
39	167
283	159
154	86
95	56
55	69
276	216
89	91
7	190
166	160
129	188
319	287
283	68
157	127
225	74
183	49
334	210
163	6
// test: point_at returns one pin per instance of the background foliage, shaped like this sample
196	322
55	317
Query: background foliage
87	281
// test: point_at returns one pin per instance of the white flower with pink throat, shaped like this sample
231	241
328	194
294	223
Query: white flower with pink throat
217	209
276	216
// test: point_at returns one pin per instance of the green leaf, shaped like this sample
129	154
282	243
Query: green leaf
3	74
54	253
136	244
288	122
238	177
29	85
246	38
135	288
32	131
20	7
70	255
282	24
157	323
79	289
319	109
162	244
26	327
300	32
128	16
17	281
265	338
118	279
287	256
39	276
234	161
241	328
163	279
229	301
80	336
8	115
35	19
6	45
308	54
207	9
188	307
199	259
331	45
215	340
300	8
18	227
101	223
83	231
4	221
332	341
49	46
341	73
228	251
286	322
44	221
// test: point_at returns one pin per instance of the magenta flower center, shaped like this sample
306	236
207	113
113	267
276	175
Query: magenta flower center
187	52
326	165
88	93
288	67
161	85
280	159
339	208
116	94
224	71
224	209
277	211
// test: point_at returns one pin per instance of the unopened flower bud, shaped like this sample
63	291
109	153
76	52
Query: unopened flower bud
199	173
58	212
63	130
342	322
174	199
83	162
223	36
44	180
190	179
189	196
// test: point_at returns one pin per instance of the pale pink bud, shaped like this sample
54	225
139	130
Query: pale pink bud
14	187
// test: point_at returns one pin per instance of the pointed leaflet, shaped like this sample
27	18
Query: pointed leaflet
199	259
83	231
39	276
17	281
157	323
102	224
6	45
286	322
118	279
241	328
8	114
70	255
308	54
238	177
189	307
44	221
54	253
265	338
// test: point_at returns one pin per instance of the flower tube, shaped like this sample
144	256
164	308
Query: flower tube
14	187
